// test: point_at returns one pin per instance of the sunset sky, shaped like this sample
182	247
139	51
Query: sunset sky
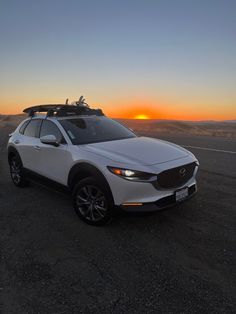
167	59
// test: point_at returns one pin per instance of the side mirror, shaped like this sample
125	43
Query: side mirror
50	140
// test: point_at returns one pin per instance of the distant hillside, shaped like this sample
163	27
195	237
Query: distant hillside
207	128
11	119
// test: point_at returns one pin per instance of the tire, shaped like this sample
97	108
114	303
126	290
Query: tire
16	172
93	202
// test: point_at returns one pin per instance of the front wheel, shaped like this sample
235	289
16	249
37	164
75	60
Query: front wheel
92	202
16	172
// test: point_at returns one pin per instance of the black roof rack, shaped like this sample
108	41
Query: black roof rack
60	110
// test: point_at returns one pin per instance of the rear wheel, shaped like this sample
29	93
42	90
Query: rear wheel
16	171
93	202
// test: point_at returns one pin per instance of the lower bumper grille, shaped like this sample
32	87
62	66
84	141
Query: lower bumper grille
175	177
170	200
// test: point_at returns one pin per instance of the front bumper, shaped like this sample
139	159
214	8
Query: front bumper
162	203
125	191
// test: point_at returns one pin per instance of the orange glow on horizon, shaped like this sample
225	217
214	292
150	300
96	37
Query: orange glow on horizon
135	108
141	117
170	111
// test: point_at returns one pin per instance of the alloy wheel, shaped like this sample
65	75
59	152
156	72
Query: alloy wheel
91	203
15	170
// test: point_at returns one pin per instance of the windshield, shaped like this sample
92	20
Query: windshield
94	130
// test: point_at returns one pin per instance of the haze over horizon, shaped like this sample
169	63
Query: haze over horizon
147	59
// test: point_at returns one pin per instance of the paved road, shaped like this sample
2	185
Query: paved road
181	260
216	155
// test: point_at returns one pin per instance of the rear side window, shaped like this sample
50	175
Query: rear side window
32	128
22	128
49	128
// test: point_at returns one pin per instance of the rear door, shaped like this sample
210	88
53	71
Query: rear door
53	160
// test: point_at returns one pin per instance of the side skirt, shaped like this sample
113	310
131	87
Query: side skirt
42	180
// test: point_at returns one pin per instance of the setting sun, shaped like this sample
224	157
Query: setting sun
141	116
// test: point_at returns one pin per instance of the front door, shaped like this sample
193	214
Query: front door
53	160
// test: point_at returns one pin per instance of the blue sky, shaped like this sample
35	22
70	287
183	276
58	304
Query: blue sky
173	55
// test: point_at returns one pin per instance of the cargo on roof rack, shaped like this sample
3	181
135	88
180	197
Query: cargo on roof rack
62	110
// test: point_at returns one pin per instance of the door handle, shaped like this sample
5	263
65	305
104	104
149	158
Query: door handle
16	141
37	147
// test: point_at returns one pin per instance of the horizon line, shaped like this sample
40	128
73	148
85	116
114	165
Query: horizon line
148	119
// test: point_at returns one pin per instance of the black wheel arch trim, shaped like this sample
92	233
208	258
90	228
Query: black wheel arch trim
83	170
12	150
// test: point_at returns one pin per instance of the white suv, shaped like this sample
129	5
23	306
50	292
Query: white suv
100	161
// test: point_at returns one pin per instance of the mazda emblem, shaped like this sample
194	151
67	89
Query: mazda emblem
182	172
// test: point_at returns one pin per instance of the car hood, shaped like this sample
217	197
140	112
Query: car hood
138	150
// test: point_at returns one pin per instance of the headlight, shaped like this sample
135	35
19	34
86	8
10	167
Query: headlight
133	175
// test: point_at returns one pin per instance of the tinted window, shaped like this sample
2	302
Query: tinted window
95	129
32	128
22	128
49	128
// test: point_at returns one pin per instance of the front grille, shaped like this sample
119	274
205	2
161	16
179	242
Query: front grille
175	177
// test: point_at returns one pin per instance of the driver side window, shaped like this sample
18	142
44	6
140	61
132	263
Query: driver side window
49	128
